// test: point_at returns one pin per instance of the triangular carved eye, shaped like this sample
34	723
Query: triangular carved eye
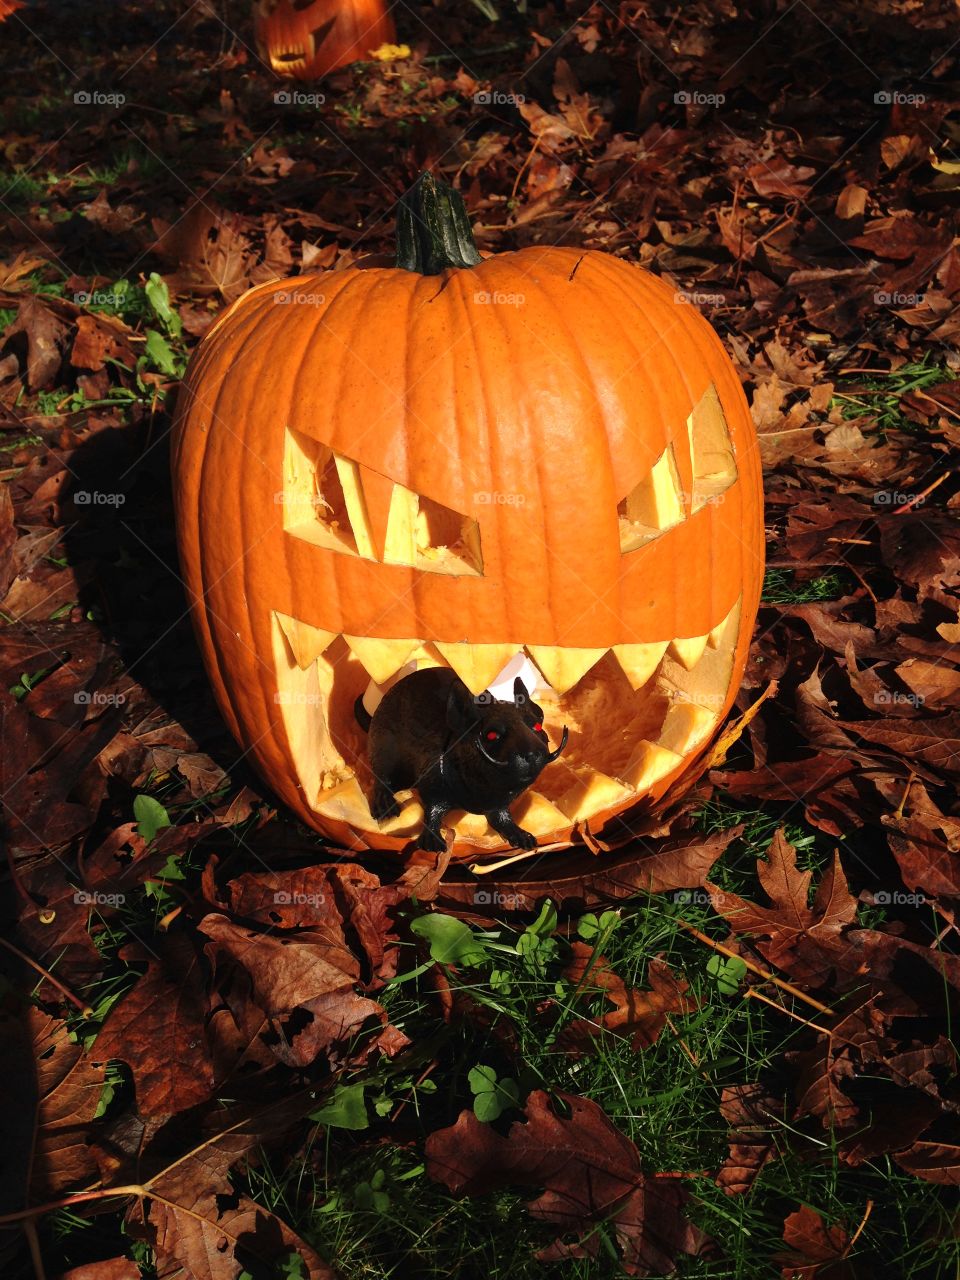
657	502
653	505
334	502
714	464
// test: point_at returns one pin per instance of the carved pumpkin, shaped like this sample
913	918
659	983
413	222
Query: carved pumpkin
305	39
459	461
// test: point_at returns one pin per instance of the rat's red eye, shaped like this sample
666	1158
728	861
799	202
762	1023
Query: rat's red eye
538	727
492	735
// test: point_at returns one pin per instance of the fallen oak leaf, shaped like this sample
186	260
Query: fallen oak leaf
108	1269
185	1205
933	1161
159	1030
309	1000
589	1173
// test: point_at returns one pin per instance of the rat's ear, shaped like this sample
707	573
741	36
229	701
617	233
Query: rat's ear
520	695
461	710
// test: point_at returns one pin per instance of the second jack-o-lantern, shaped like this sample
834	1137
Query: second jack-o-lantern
307	39
541	456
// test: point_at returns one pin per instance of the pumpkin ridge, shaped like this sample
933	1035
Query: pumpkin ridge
208	450
589	381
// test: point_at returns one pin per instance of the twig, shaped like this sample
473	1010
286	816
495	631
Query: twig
85	1009
898	813
856	1234
755	968
686	1048
33	1243
420	1079
781	1008
479	869
67	1202
919	497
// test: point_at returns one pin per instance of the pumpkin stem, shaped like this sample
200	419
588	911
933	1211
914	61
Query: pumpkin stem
433	229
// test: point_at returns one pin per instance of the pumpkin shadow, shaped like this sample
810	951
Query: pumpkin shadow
118	513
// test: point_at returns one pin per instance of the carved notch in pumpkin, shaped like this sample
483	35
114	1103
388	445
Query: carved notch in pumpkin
714	464
332	501
653	505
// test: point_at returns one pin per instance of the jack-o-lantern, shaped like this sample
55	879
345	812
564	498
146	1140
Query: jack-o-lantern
448	460
307	39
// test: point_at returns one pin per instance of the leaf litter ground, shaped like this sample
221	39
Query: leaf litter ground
728	1049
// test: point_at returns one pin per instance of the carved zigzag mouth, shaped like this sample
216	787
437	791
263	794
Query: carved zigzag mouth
634	711
289	57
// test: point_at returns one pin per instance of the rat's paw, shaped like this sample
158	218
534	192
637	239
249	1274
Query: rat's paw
433	841
384	804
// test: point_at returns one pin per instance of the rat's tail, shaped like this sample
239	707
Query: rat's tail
362	714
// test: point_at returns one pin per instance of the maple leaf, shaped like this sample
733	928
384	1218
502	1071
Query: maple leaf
752	1114
790	920
588	1170
815	1245
639	1015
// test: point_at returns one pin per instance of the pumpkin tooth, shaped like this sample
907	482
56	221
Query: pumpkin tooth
685	726
639	661
534	812
648	764
477	665
381	658
688	652
306	642
591	792
715	637
563	667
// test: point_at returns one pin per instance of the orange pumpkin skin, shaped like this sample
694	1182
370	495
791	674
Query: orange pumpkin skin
306	39
552	374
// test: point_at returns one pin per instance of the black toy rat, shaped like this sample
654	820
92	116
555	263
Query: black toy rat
459	751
